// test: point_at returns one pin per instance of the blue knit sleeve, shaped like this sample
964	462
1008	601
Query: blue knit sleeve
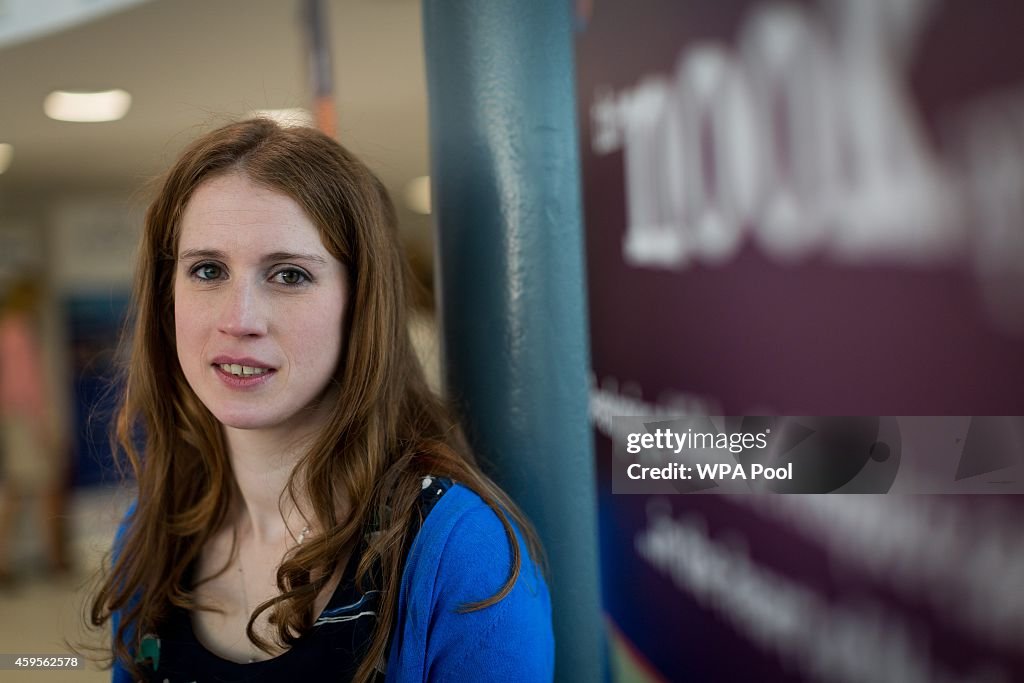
462	555
118	673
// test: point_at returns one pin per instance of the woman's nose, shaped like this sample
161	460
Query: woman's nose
242	314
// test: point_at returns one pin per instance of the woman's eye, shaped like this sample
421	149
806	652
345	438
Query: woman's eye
291	276
207	271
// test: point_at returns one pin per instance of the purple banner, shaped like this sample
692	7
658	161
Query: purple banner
810	208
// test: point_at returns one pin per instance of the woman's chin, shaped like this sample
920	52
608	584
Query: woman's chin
244	420
268	417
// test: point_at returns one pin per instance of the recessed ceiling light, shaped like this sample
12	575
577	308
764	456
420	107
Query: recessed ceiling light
87	107
6	154
296	116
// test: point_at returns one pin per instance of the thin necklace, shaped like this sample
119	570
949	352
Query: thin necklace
245	593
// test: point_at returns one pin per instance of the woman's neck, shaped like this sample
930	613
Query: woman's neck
262	463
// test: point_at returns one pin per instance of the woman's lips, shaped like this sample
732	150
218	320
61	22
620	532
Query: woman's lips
237	376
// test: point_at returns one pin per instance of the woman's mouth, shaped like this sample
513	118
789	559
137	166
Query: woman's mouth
241	376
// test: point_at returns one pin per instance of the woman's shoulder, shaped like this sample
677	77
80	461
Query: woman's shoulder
450	506
462	555
462	534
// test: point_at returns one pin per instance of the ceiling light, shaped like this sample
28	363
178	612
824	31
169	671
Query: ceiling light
417	194
295	116
6	154
87	107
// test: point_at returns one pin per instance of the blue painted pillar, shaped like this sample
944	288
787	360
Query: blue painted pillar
505	174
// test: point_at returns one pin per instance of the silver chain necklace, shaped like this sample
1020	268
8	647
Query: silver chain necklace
245	594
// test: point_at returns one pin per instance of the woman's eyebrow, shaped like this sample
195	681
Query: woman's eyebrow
292	256
189	254
200	253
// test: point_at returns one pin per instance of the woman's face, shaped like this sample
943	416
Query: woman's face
258	306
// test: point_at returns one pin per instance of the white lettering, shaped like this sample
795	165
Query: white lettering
810	141
824	639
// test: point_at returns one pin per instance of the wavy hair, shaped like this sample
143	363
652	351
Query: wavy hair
386	430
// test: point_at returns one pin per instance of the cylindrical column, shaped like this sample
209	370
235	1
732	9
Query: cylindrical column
505	173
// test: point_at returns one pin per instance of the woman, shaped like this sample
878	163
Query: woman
306	507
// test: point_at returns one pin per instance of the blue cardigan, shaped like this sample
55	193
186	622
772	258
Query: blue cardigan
461	555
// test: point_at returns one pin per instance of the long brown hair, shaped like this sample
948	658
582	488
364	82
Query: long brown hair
386	431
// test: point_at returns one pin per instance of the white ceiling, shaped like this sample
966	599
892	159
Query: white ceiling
192	64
